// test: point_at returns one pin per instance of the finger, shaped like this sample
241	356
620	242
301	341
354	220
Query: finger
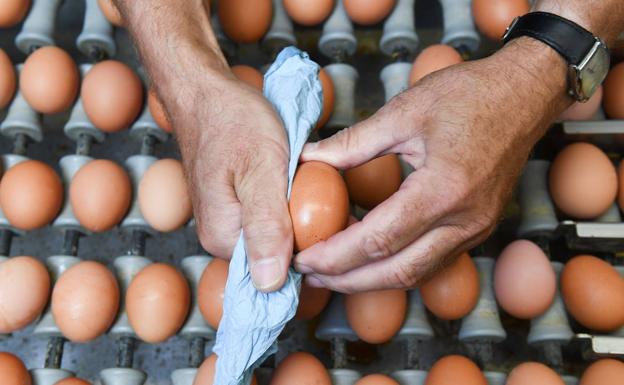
266	222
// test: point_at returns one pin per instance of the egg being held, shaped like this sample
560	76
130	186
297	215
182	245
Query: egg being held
24	291
300	369
73	381
158	112
309	12
613	98
13	370
245	21
368	12
164	198
593	292
85	301
376	379
454	370
12	12
319	204
376	316
524	280
100	195
453	292
206	372
49	80
249	75
312	301
583	181
329	98
112	95
433	58
606	371
8	80
210	291
375	181
31	194
530	373
492	17
157	302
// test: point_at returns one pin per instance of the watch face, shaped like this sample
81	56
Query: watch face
593	70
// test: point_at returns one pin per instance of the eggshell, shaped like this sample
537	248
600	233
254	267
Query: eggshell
613	98
205	373
49	80
309	12
300	369
376	316
245	21
157	302
12	12
454	291
249	75
210	291
164	199
583	181
13	370
584	111
319	204
312	301
368	12
376	379
24	291
433	58
329	98
593	292
374	181
606	371
8	81
454	370
524	280
100	195
85	301
158	112
73	381
531	373
621	189
111	13
31	194
112	95
492	17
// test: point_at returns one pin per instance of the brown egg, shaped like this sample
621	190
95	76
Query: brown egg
111	12
85	301
12	12
31	194
524	280
8	81
73	381
584	111
531	373
583	181
613	98
300	369
376	379
13	370
210	291
164	199
319	204
433	58
249	75
376	316
374	181
453	292
205	373
492	17
49	80
24	291
245	21
157	302
606	371
100	195
309	12
329	98
454	370
158	112
312	301
112	95
621	189
368	12
593	292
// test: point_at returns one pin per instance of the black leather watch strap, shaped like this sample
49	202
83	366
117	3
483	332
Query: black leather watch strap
571	40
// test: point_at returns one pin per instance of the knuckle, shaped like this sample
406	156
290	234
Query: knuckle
376	246
405	275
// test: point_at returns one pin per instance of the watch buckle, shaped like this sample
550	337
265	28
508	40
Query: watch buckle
575	70
510	28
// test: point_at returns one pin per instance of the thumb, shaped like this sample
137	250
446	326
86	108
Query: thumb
266	223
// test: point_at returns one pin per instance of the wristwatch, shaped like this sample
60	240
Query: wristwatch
587	55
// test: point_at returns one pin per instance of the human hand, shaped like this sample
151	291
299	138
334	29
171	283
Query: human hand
467	131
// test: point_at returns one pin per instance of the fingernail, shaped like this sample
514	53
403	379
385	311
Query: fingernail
266	274
303	269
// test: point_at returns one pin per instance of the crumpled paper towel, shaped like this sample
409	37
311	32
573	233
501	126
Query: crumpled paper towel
253	320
